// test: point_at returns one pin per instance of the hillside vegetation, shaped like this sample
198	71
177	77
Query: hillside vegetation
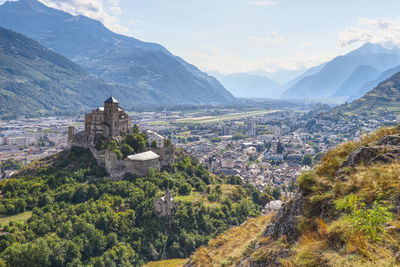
80	217
228	248
345	213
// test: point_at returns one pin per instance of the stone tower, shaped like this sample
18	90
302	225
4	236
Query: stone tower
71	134
111	117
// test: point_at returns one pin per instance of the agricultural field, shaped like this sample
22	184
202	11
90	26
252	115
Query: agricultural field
225	117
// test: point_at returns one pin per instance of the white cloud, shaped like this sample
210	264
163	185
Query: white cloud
378	30
3	1
211	58
263	3
306	44
89	8
116	10
114	2
135	21
272	37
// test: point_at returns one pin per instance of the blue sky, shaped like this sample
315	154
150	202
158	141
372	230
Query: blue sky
245	35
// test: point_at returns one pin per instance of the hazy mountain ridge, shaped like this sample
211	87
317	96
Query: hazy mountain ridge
309	72
328	80
356	79
383	99
114	57
249	85
372	84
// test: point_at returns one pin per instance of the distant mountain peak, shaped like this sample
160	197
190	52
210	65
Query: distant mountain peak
32	4
372	48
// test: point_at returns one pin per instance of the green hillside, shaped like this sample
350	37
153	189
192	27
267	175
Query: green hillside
81	217
34	80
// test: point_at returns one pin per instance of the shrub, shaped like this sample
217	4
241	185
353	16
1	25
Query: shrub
200	186
112	145
264	199
126	150
100	145
118	153
306	180
185	189
370	221
167	142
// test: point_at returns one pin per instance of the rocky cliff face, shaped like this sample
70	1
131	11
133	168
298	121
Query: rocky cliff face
285	221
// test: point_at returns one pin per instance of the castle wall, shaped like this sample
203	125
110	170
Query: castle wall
118	168
167	155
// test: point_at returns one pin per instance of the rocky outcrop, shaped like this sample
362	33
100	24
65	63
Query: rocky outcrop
362	155
285	221
385	151
164	206
392	140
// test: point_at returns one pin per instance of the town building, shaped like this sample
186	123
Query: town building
152	136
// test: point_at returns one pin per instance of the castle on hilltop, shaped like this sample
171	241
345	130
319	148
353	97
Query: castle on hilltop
111	123
109	120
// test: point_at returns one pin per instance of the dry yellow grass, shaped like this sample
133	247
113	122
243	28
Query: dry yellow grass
227	248
167	263
334	158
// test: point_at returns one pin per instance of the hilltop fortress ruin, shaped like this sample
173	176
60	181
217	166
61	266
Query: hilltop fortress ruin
112	123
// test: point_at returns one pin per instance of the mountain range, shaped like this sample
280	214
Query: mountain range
344	76
148	67
35	80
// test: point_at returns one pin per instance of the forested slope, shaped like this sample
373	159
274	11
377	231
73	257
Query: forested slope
79	216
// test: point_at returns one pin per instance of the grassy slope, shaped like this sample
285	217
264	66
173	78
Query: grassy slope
364	234
167	263
196	196
227	248
21	217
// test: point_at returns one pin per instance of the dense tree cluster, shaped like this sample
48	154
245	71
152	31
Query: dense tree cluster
81	217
